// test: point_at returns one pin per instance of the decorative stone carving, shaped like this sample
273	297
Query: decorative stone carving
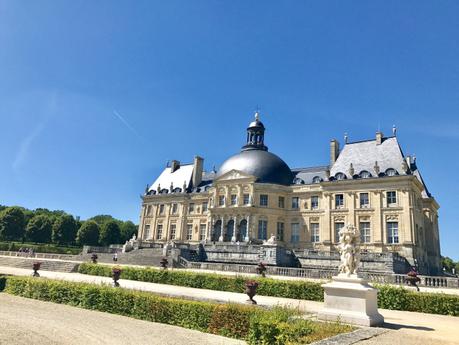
349	242
271	241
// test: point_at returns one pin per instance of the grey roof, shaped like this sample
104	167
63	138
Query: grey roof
364	154
266	166
306	175
177	178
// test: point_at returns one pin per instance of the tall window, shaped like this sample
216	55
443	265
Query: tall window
338	227
149	210
280	231
314	202
365	232
147	233
233	199
161	209
174	208
246	199
295	202
364	200
281	202
263	200
339	201
221	200
391	198
191	208
202	232
189	232
205	206
295	236
262	229
392	232
173	231
315	232
159	231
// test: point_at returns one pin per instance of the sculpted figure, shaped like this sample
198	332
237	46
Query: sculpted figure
349	241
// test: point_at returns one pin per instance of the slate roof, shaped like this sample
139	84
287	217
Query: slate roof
364	154
183	174
306	175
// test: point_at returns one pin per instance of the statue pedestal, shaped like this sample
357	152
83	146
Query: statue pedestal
351	300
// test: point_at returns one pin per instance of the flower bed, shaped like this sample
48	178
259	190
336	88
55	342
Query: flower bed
389	297
255	325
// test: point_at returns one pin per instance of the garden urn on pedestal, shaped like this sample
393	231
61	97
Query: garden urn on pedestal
36	266
116	274
94	258
163	263
349	298
251	290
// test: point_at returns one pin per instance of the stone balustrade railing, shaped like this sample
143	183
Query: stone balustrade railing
42	255
375	277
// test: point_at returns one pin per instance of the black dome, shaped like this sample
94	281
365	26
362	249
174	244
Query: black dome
266	166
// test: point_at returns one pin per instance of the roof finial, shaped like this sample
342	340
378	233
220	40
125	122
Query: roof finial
394	130
345	137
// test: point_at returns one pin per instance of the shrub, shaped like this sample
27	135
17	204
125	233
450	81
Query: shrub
389	297
267	287
40	248
398	298
257	326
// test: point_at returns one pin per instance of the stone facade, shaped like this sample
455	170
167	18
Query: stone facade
394	212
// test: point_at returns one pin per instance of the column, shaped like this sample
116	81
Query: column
233	238
222	229
247	232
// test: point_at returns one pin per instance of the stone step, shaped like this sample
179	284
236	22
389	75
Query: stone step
47	265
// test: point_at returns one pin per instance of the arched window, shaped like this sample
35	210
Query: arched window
316	179
340	176
364	174
297	180
391	172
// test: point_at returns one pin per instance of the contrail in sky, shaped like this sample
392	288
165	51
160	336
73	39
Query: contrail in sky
132	129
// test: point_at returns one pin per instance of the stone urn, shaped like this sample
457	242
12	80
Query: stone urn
261	269
412	279
251	290
94	258
116	274
36	266
163	263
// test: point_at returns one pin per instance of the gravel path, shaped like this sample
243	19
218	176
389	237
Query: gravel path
26	321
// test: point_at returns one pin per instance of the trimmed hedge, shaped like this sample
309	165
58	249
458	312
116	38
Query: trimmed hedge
40	248
256	325
398	298
267	287
389	297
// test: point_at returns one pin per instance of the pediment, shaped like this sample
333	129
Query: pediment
235	175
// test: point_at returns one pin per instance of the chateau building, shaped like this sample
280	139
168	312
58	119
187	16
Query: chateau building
255	196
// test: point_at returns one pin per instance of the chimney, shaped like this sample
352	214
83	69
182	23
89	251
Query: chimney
197	170
334	151
175	165
379	138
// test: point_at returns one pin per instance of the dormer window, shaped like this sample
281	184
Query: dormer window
298	181
340	176
364	174
391	172
316	179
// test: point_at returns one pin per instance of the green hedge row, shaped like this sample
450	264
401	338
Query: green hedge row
267	287
389	297
398	298
255	325
40	248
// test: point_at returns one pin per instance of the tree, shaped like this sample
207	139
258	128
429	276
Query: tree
128	229
88	234
64	230
39	229
447	263
102	219
12	224
110	233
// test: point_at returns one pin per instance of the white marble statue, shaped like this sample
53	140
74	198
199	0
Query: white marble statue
349	242
271	240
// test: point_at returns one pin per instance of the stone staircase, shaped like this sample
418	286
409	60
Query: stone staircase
141	257
47	265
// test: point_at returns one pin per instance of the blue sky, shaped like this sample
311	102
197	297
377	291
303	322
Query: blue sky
96	96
